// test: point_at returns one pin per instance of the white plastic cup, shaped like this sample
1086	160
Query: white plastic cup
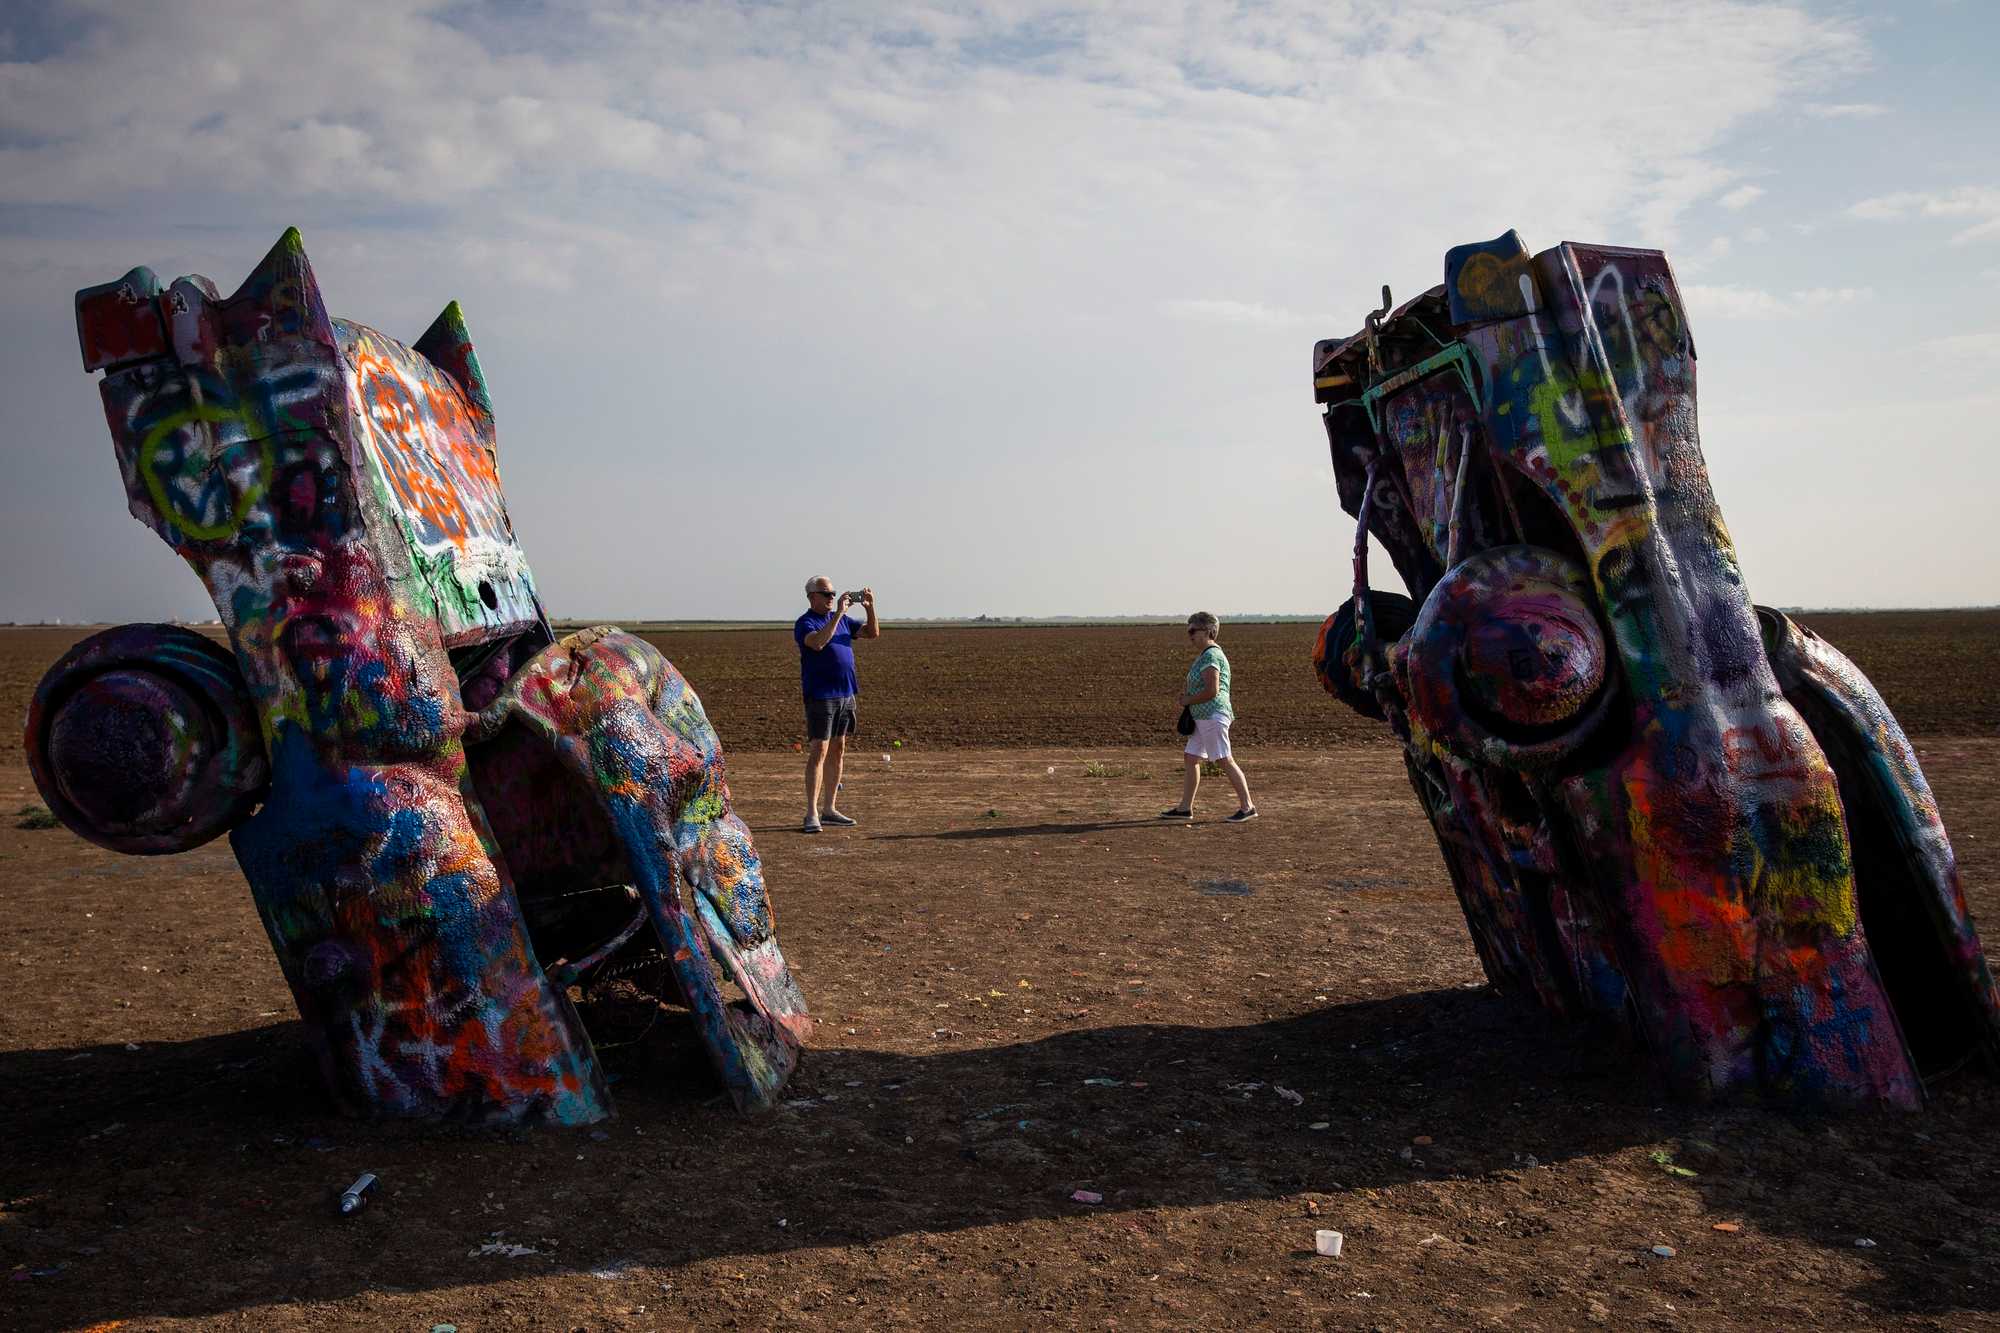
1328	1243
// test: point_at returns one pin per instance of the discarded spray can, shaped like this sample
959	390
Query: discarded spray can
356	1194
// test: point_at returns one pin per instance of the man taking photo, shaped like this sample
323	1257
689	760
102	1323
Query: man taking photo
826	674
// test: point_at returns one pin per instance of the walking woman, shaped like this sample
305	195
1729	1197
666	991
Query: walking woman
1206	695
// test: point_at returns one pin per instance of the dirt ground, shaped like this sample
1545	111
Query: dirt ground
1027	986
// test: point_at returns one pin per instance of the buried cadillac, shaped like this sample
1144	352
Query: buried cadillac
1667	812
447	815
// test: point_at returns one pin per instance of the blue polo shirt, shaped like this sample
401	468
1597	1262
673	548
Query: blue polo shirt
828	673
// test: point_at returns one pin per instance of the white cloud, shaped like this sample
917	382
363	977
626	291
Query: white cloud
1979	202
1974	348
728	105
699	241
1741	197
1697	261
1845	110
1728	302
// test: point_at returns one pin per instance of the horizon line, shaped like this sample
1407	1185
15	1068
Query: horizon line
1080	620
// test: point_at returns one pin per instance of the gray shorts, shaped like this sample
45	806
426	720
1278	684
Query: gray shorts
827	718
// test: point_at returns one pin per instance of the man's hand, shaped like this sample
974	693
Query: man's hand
840	607
868	598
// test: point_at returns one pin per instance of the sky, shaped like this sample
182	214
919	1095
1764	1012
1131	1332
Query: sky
1008	308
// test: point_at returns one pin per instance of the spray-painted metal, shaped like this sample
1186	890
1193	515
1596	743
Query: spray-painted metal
1664	810
428	794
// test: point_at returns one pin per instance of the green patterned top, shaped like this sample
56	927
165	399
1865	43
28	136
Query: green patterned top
1211	656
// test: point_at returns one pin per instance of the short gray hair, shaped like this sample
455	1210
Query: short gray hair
1206	620
815	579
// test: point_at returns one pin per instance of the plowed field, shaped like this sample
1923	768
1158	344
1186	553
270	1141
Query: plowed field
1027	986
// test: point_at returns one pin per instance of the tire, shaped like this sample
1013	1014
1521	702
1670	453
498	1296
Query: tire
1393	614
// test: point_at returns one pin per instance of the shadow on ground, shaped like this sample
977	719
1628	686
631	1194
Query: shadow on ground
1022	830
221	1148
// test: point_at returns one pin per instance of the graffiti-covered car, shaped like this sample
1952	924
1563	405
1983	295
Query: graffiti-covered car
1666	812
447	816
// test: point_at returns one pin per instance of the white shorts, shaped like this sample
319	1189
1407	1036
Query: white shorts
1210	739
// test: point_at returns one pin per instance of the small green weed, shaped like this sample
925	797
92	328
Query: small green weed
1094	769
1665	1161
35	816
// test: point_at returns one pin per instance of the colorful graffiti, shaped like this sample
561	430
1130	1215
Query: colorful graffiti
1666	813
428	794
